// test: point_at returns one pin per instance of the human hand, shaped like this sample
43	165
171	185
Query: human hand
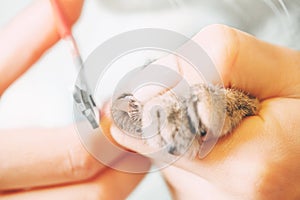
260	159
53	164
50	163
25	39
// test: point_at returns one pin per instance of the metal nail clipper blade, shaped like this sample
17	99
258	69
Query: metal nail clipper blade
82	95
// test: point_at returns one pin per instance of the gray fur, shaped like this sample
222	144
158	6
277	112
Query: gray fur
208	110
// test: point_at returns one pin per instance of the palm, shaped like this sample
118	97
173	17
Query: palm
255	155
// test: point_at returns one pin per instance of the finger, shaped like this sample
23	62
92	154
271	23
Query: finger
251	65
28	36
246	63
109	184
266	71
261	153
243	62
39	157
174	175
263	69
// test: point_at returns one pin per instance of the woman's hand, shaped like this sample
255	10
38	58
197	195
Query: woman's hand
260	159
49	163
25	39
53	164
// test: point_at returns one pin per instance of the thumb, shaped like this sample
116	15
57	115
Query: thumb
244	62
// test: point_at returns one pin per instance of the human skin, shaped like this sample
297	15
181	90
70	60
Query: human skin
260	159
50	163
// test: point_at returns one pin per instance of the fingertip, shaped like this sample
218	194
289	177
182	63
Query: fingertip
106	123
71	9
123	140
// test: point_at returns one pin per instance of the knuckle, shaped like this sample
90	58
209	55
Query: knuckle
80	164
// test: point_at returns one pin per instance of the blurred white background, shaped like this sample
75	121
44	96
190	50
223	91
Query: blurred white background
43	96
